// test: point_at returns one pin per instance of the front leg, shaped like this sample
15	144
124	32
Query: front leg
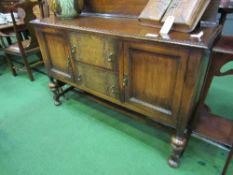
56	92
178	144
56	87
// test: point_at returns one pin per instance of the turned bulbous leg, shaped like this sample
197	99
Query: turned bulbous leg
178	145
56	95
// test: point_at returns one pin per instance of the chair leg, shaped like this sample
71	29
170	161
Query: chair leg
8	57
9	40
39	56
228	161
28	68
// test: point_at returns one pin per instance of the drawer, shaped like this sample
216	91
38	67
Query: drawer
95	49
98	80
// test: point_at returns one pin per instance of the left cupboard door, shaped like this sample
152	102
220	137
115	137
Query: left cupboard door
56	53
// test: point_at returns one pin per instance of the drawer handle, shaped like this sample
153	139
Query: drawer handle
113	89
125	81
79	78
110	57
73	49
68	62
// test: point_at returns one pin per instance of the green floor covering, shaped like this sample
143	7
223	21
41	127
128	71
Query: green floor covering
82	137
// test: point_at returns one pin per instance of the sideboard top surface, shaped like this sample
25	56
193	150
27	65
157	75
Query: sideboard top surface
129	28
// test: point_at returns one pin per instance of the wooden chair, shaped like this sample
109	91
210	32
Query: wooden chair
25	46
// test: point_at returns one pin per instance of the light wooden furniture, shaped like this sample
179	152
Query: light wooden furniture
107	53
25	46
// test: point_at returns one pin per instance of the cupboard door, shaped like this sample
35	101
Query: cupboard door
56	53
153	80
96	50
98	81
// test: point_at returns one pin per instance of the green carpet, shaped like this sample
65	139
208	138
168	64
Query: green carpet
82	137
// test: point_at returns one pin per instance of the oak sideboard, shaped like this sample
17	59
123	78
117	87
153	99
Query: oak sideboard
117	59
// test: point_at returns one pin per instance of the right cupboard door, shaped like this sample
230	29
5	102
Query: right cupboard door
153	80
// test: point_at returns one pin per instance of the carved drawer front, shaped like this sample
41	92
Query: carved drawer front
97	80
94	49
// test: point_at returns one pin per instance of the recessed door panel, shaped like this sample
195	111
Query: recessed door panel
154	79
56	53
